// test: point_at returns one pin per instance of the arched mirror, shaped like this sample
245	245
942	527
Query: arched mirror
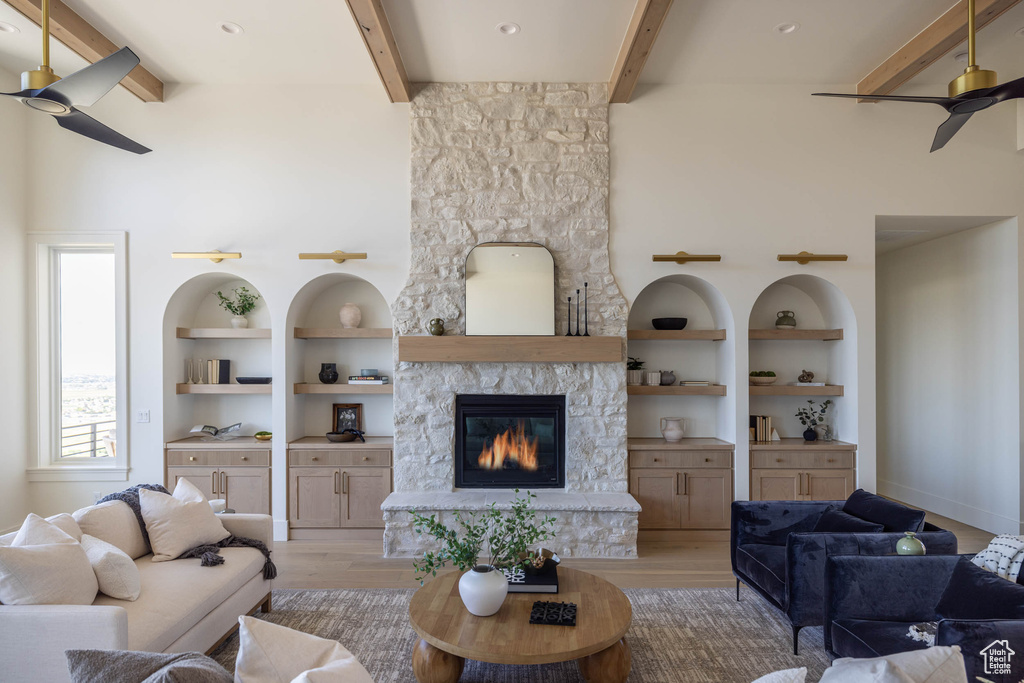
510	289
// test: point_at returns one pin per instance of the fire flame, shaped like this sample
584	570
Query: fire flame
514	447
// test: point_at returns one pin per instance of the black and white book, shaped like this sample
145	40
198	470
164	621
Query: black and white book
221	434
521	582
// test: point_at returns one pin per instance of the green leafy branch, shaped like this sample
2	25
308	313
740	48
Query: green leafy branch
243	302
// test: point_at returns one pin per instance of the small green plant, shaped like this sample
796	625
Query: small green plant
507	535
762	373
241	303
634	363
810	416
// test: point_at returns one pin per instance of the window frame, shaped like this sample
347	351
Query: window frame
47	465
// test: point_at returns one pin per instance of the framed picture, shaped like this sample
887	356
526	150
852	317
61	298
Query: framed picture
347	416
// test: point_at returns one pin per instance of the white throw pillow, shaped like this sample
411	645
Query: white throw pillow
786	676
940	664
116	573
115	523
179	522
268	653
45	566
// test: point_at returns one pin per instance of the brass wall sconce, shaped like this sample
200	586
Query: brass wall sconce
682	257
338	256
216	255
805	257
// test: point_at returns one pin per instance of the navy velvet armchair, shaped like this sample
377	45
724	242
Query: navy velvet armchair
871	603
775	551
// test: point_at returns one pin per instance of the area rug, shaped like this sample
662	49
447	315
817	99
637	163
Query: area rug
684	634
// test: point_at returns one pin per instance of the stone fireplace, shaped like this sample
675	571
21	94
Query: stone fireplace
511	162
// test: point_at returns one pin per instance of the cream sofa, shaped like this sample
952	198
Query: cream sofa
182	607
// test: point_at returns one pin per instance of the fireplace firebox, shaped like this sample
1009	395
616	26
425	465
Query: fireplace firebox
508	441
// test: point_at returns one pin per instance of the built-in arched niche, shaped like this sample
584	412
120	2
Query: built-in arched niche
196	328
316	336
824	342
703	350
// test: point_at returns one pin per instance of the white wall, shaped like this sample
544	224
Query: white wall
14	171
948	368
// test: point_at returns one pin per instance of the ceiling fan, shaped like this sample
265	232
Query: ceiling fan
44	91
972	91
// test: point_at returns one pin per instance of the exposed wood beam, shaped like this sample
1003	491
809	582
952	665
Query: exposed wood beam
924	49
86	41
380	43
648	17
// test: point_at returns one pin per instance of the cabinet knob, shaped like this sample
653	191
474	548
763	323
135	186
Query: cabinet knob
192	458
707	459
655	460
365	458
245	457
314	458
831	459
778	459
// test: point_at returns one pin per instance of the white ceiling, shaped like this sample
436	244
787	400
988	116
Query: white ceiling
897	232
307	42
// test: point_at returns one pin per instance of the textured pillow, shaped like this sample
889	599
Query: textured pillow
932	665
115	523
45	566
116	573
976	593
268	653
179	522
787	676
126	666
879	510
839	521
37	531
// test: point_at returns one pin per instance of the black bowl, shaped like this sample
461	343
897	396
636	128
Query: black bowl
668	323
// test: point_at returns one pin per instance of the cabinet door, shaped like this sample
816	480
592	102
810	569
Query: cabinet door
246	489
776	484
315	496
706	499
658	494
363	489
205	479
829	484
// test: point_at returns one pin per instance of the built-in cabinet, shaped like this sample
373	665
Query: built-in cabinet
237	471
793	469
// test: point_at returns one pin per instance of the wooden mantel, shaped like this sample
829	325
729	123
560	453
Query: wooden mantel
462	349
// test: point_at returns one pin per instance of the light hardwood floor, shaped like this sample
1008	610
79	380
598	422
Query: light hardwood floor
661	564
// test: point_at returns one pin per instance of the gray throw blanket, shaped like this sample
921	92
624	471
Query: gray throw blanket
208	554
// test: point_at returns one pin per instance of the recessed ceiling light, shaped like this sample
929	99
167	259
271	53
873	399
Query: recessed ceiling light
786	28
960	57
231	28
8	28
507	28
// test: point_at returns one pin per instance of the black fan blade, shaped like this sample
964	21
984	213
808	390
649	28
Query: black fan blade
1010	90
84	124
948	129
941	101
86	86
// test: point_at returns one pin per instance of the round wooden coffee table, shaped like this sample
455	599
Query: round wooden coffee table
450	634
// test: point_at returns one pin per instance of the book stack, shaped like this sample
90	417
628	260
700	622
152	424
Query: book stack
695	383
761	428
368	379
218	371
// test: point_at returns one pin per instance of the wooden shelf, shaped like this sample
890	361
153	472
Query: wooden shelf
790	390
796	335
462	349
677	335
309	388
222	389
343	333
799	444
321	442
713	390
222	333
687	444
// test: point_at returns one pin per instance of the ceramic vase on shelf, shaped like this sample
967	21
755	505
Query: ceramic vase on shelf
328	373
436	327
785	320
350	315
239	322
483	589
810	435
668	378
673	428
652	378
634	378
910	544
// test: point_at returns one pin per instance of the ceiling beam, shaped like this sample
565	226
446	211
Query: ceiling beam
648	17
87	42
380	43
928	46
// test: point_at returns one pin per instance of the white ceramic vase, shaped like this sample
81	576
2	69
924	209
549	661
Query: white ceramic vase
673	428
482	589
239	322
350	315
634	378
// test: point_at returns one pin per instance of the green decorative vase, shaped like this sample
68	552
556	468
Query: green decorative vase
436	327
910	545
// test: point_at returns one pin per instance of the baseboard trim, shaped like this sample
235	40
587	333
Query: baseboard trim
967	514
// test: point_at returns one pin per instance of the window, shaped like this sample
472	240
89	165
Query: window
80	357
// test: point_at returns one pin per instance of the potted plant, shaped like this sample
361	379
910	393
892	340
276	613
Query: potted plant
634	371
241	302
810	417
761	378
508	536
